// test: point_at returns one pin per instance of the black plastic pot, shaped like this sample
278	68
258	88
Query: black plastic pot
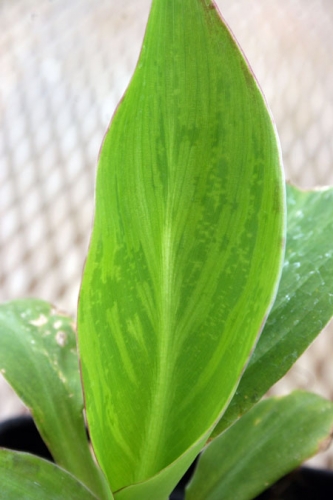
302	484
21	434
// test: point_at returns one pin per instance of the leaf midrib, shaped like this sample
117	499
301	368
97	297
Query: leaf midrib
161	389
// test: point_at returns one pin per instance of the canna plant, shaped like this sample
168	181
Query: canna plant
206	279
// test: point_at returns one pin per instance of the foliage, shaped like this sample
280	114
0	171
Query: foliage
185	263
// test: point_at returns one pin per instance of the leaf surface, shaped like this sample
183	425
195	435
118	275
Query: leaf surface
272	439
304	302
186	247
27	477
38	357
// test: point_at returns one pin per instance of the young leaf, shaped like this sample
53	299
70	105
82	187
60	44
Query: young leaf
38	357
272	439
27	477
186	247
304	303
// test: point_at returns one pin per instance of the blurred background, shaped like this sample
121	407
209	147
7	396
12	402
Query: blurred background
65	64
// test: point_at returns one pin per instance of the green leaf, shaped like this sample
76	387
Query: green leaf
159	486
304	303
39	359
24	476
272	439
186	248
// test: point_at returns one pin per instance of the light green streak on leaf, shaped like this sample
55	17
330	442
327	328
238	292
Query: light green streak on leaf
38	357
24	476
272	439
304	302
186	247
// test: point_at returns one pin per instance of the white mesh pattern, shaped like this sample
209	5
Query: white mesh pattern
64	66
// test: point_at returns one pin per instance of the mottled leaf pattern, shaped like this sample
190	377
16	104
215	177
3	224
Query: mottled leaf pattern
304	303
186	248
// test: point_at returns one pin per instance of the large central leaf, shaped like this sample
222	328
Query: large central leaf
186	248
